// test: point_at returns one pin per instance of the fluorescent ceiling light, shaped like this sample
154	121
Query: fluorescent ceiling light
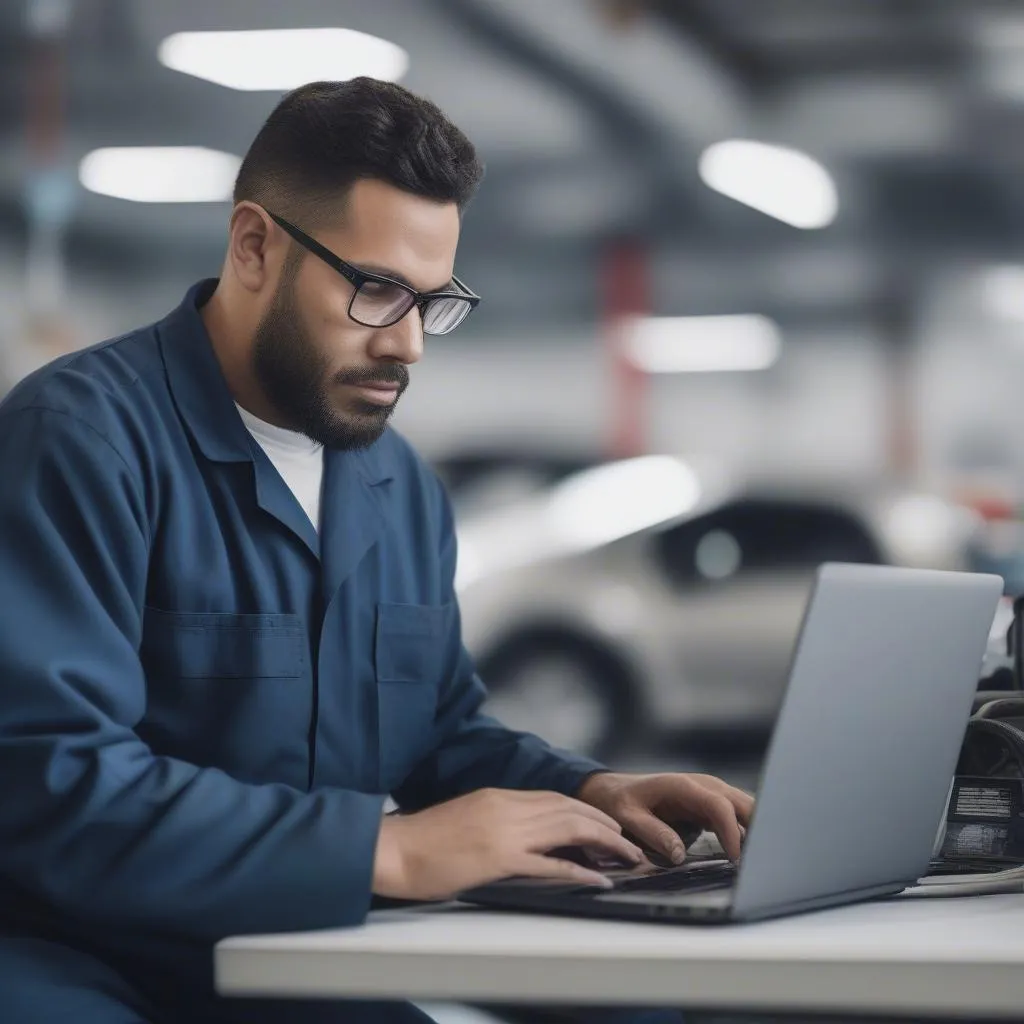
1000	63
703	344
1006	79
282	59
160	174
1002	292
782	183
1000	33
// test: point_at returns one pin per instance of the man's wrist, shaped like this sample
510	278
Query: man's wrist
593	783
388	861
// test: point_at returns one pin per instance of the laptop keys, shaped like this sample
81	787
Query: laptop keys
686	878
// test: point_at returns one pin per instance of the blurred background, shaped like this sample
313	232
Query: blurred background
753	279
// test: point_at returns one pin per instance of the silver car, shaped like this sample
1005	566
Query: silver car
654	594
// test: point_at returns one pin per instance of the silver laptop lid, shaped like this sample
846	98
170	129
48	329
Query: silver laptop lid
867	739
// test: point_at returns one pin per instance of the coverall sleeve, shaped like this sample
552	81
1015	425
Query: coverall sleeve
91	820
472	750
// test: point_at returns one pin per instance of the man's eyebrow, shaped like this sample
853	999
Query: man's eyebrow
376	268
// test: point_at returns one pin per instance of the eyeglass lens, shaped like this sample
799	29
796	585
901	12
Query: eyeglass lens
380	304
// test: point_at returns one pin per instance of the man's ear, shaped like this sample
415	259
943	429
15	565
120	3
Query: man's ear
252	246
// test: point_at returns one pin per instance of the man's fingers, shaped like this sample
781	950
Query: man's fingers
656	834
720	815
569	805
743	803
708	807
536	866
559	829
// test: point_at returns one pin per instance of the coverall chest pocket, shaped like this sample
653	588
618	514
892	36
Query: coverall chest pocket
230	690
410	653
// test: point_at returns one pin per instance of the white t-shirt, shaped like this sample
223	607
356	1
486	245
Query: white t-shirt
299	460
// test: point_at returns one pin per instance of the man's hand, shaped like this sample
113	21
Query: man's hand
647	806
493	834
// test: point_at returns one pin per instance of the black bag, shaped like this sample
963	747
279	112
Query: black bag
993	746
985	819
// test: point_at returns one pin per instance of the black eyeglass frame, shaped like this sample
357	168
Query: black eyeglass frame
357	278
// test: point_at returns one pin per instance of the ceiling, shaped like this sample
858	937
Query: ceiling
591	117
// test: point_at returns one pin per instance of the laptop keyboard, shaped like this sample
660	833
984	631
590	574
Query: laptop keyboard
709	874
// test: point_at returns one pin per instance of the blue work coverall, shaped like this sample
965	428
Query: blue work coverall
203	702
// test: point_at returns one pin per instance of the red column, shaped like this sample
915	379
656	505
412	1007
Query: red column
626	294
49	187
898	322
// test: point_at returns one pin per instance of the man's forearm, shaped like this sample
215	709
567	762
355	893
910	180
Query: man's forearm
484	753
175	849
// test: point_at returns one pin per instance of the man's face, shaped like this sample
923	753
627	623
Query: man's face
326	375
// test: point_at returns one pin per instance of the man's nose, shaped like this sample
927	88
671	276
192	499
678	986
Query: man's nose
402	341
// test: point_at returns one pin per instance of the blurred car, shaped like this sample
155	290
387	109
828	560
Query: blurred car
491	477
654	594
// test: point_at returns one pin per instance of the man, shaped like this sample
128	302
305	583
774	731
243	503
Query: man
229	624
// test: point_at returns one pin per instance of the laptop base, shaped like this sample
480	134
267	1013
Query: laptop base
712	906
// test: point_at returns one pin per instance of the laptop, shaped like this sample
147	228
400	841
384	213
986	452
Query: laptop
859	766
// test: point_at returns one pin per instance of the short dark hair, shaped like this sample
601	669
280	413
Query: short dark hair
325	136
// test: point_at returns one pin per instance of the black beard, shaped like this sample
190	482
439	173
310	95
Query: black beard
293	376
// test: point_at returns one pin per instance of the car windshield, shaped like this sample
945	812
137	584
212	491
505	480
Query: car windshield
479	482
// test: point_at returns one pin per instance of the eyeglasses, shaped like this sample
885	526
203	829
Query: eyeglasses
381	302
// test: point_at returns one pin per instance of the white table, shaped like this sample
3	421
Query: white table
948	957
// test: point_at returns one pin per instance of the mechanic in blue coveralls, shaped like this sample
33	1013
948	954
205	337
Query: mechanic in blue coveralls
228	622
